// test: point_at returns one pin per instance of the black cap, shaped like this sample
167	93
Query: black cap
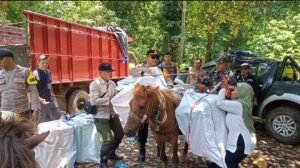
152	52
4	52
105	67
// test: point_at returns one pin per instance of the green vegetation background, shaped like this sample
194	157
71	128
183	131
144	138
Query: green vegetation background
190	29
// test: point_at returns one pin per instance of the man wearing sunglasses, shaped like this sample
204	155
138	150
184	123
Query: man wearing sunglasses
150	67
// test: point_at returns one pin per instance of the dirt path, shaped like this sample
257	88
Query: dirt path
278	155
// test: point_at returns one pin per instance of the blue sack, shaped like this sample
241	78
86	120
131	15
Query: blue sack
89	108
121	164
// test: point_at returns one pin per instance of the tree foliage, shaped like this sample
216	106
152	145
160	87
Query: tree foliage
267	28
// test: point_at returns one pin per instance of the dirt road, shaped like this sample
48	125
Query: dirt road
277	155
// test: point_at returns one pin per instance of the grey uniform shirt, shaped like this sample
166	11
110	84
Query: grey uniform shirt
100	91
14	89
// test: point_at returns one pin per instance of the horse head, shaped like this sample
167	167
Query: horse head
17	139
144	99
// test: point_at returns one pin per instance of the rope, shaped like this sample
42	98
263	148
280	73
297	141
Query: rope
72	30
79	56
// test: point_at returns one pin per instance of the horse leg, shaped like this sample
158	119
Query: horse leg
163	156
174	142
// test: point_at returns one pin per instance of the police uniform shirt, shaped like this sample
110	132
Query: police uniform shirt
14	88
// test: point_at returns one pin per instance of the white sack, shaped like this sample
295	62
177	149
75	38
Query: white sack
121	101
207	133
7	115
58	149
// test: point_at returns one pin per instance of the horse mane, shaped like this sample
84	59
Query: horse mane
170	95
14	152
156	97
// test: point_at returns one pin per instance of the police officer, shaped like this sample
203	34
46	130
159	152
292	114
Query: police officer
169	66
107	122
223	66
15	82
249	78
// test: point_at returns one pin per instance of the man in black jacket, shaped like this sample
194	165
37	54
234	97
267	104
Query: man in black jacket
249	78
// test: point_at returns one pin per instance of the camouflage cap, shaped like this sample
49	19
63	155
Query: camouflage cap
224	58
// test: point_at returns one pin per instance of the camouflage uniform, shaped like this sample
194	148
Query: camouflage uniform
215	77
14	86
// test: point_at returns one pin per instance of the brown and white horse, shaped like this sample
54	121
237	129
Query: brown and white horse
17	139
159	107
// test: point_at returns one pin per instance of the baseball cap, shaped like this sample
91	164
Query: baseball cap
245	65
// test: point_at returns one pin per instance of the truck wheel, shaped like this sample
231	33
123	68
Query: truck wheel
72	101
283	124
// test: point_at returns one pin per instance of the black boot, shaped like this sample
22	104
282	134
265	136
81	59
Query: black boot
103	161
142	152
113	156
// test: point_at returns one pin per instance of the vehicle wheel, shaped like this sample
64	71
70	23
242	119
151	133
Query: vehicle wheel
72	101
283	124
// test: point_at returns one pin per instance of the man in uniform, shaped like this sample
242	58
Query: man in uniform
249	78
15	83
223	66
107	122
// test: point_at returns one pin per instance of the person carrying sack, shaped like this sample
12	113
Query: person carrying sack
102	90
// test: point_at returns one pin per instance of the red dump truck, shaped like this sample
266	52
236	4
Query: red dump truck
75	52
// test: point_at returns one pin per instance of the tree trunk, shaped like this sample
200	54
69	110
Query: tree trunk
182	41
209	46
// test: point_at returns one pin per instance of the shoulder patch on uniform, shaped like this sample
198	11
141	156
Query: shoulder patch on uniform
31	80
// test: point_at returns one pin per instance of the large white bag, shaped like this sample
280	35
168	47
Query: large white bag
58	150
87	138
205	130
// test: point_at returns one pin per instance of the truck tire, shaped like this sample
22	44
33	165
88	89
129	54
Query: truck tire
72	100
283	124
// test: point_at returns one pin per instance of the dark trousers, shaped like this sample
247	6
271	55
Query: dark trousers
143	134
110	141
233	159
